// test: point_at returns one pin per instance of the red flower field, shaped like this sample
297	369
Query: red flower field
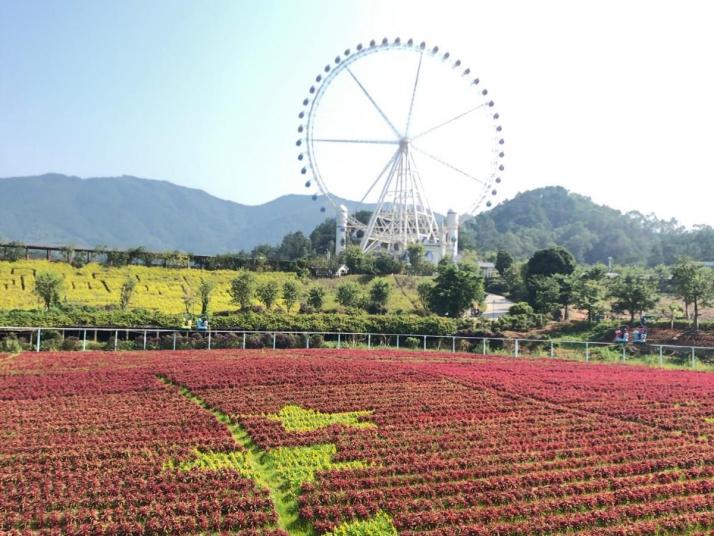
315	441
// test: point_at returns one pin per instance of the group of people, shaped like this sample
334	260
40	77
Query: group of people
639	335
201	323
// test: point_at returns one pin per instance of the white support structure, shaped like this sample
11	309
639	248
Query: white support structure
403	215
341	229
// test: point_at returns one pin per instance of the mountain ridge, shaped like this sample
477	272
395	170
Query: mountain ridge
127	211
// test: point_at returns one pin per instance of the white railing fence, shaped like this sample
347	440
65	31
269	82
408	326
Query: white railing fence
139	338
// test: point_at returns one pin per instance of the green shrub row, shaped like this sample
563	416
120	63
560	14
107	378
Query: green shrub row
249	321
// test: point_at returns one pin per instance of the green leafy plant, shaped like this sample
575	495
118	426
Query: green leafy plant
242	289
291	294
126	291
267	293
48	287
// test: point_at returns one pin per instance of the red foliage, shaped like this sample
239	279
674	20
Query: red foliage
463	445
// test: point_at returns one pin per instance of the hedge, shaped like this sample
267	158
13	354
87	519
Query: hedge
250	321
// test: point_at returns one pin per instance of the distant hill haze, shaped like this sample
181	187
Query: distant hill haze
124	212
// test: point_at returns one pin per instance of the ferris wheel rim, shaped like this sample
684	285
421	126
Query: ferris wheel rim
322	83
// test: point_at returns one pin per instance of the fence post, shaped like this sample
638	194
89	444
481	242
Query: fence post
623	353
425	343
552	350
483	346
273	341
116	339
693	357
84	341
244	340
369	341
453	345
339	340
174	341
39	337
397	341
516	348
660	355
144	339
587	351
209	339
307	340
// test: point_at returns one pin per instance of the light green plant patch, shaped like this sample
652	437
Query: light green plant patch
709	420
280	471
379	525
299	419
235	460
295	465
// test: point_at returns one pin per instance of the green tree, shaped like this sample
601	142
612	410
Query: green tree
268	293
349	294
545	294
551	261
634	291
504	261
13	251
126	291
116	258
379	295
260	256
291	294
415	253
545	269
67	254
424	290
322	237
205	293
513	278
385	264
242	289
48	287
294	246
356	261
589	294
455	289
316	297
566	296
694	283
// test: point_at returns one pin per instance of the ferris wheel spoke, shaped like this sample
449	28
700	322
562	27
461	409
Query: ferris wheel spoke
448	121
337	140
376	106
445	163
411	104
381	173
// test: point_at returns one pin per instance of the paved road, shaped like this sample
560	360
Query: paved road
496	306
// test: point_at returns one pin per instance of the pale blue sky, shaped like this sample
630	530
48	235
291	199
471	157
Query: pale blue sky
609	99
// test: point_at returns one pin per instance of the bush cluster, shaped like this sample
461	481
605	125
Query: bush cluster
247	321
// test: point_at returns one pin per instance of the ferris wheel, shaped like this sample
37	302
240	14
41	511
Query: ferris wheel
406	131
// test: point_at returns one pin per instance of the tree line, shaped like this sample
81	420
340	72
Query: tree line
551	283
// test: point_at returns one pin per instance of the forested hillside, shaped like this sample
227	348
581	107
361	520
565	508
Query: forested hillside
544	217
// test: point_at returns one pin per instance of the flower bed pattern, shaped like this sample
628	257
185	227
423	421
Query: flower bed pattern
93	444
